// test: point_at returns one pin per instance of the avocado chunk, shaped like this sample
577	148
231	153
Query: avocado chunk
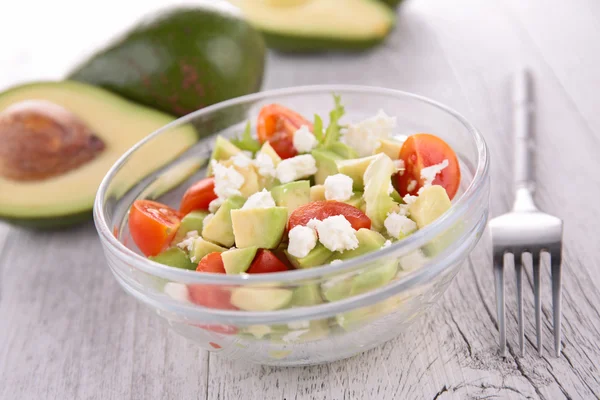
429	206
389	147
260	227
203	247
367	280
292	195
237	261
316	257
368	241
308	25
180	60
378	202
219	228
174	257
193	221
342	150
355	169
326	164
356	200
306	295
268	150
260	298
317	193
223	150
356	318
110	126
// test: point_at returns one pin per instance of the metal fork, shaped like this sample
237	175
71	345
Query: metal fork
526	229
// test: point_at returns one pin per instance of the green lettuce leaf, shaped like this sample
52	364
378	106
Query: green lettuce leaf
246	141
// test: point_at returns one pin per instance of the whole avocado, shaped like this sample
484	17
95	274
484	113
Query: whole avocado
179	60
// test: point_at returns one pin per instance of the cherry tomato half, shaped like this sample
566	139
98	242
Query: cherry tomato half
211	296
152	225
266	261
198	196
277	124
423	150
327	208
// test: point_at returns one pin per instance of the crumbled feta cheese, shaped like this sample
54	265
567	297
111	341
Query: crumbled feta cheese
397	225
177	291
428	174
387	243
338	187
293	335
295	168
399	164
265	165
247	153
262	199
188	243
337	234
192	234
313	223
228	180
409	199
412	185
207	219
299	325
214	205
302	240
403	210
241	160
363	135
304	140
413	260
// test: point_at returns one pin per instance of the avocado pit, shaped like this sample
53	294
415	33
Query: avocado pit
41	140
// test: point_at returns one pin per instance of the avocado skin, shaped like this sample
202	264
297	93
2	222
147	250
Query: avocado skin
166	61
392	3
49	223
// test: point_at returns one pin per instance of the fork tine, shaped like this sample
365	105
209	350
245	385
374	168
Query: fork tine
499	280
519	276
537	283
556	269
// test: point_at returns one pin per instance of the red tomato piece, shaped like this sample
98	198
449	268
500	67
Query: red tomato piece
152	225
328	208
211	296
218	328
198	196
265	262
423	150
277	124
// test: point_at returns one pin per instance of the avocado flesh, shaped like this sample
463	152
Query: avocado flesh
219	228
389	147
356	200
193	221
260	227
237	261
319	25
326	164
174	257
180	59
203	247
306	295
292	195
368	241
260	299
378	202
223	150
315	258
317	193
68	198
355	169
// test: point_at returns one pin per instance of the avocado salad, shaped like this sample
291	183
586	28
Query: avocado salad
298	194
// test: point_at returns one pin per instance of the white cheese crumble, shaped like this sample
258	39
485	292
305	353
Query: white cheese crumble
262	199
265	165
293	335
188	242
362	136
399	225
304	140
428	174
302	240
299	325
295	168
412	185
338	187
387	243
214	205
403	209
409	199
313	223
399	164
228	180
337	234
177	291
241	160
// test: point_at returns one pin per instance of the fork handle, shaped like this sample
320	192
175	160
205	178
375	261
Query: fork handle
523	103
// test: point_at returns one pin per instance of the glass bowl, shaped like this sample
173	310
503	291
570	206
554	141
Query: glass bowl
339	310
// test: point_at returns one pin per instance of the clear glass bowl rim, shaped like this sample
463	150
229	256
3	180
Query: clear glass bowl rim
414	241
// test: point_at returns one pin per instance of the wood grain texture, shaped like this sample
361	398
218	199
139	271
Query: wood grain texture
68	331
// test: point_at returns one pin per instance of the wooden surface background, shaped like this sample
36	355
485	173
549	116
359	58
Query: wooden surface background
67	330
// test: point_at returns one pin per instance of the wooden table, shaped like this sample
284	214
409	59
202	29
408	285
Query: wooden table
68	331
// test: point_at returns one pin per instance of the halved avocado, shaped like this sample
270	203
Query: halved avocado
68	135
314	25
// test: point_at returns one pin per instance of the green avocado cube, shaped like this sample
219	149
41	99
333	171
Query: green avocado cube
292	195
368	241
326	164
316	257
223	149
202	247
389	147
237	261
306	295
219	228
260	298
193	221
356	200
355	169
260	227
174	257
